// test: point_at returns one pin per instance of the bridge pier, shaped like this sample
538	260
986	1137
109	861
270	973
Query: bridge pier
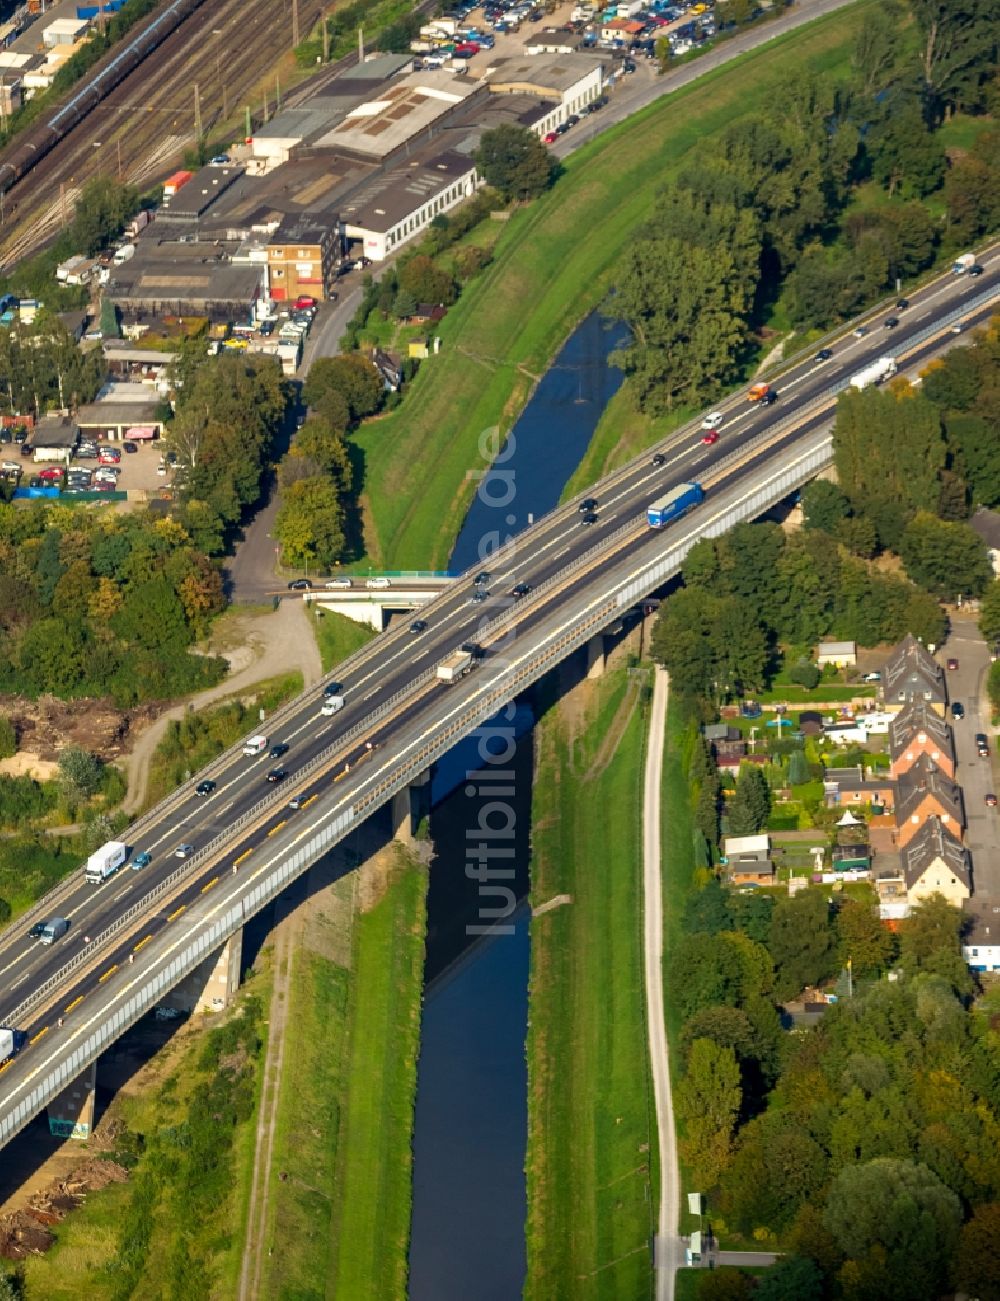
409	806
596	657
212	985
71	1113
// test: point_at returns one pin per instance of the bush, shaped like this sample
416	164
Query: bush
805	674
8	739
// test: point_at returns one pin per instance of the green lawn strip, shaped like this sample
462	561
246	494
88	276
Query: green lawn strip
374	1187
590	1105
306	1125
337	636
198	738
824	692
554	263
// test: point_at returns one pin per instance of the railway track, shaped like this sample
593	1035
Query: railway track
227	49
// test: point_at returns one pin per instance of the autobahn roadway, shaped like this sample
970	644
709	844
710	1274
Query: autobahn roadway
393	703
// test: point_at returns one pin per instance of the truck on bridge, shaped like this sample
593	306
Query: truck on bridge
455	666
11	1043
674	504
105	862
878	371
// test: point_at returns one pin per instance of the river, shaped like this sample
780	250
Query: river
471	1122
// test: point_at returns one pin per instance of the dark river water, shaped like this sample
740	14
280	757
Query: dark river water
471	1123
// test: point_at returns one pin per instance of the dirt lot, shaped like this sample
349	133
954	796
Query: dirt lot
47	725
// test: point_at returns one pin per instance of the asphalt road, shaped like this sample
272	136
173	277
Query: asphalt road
976	776
392	667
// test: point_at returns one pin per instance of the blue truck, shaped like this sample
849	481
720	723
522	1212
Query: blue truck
11	1043
674	504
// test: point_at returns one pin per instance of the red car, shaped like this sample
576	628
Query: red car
109	456
50	474
711	437
551	138
304	301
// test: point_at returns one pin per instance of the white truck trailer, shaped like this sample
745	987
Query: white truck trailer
105	862
875	373
455	666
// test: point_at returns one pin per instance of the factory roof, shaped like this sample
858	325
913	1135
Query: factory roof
201	191
549	73
405	108
387	198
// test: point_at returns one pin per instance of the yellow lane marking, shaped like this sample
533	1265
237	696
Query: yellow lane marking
176	913
110	972
209	884
145	940
75	1003
277	827
44	1031
246	854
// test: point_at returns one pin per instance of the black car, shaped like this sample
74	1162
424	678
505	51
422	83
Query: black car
589	518
890	322
588	504
276	751
562	128
977	270
129	446
418	625
480	595
573	119
333	689
36	931
205	788
982	745
659	459
482	578
957	709
519	590
902	304
768	398
277	774
300	585
824	354
266	328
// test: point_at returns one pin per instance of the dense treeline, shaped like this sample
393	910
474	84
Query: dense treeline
42	368
866	1145
911	465
773	207
100	603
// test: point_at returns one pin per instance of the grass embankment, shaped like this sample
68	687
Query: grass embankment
341	1218
555	262
590	1108
174	1229
337	636
196	739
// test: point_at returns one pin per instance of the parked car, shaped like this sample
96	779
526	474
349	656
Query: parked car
109	456
953	663
991	801
550	137
957	710
982	745
130	447
299	585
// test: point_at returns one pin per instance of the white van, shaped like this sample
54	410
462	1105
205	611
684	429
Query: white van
332	705
378	584
255	745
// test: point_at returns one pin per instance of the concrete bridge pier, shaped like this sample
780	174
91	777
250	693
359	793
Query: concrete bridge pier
71	1113
409	806
212	985
597	658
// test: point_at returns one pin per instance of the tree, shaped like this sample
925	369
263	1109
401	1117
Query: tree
801	942
8	738
514	161
725	1283
904	1209
977	1262
404	305
750	807
310	523
958	48
989	612
425	281
947	558
931	941
876	48
792	1278
79	772
798	768
708	1103
353	377
102	210
862	940
705	974
806	674
824	505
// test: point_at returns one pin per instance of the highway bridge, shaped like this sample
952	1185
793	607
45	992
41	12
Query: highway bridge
133	939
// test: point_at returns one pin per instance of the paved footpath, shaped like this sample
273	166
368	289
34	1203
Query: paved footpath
669	1251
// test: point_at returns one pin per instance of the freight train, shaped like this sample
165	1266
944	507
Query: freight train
31	145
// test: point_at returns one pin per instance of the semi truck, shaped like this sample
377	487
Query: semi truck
455	666
878	371
963	264
11	1043
105	862
674	504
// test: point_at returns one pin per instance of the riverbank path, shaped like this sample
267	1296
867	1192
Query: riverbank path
669	1248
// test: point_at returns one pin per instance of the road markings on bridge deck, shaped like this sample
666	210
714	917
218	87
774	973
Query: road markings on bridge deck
208	884
75	1003
145	940
176	913
40	1035
108	974
246	854
277	827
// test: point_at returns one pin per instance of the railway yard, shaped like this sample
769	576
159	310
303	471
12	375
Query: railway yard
222	56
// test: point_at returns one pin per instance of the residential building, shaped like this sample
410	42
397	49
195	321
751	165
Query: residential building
981	941
918	730
934	862
748	860
853	787
302	259
839	654
912	674
924	792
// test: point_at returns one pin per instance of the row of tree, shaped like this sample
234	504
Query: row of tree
769	203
